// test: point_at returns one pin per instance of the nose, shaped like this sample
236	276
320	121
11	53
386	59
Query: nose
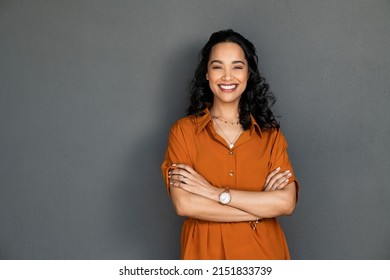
227	76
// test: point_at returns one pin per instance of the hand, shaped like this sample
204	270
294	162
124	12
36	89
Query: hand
184	177
277	180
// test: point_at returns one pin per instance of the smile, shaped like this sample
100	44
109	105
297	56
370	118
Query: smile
228	87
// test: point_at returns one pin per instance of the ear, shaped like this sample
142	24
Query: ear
207	76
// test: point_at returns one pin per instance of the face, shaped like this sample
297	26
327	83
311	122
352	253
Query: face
227	72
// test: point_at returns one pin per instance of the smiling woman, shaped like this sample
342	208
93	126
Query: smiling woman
227	73
226	167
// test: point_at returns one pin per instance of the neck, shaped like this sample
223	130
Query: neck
226	111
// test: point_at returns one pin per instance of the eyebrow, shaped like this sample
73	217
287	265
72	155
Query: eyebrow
233	62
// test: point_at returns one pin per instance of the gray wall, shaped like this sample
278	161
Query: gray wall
89	89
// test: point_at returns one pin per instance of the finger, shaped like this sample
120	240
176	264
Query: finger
179	181
181	174
282	185
179	171
277	179
185	178
185	186
270	175
186	170
177	184
281	180
195	182
274	180
184	167
180	178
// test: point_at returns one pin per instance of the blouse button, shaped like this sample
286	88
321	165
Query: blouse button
231	153
231	173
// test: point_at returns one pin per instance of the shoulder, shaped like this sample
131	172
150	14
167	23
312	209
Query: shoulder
275	135
185	124
271	132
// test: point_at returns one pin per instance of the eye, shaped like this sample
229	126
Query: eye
238	67
216	67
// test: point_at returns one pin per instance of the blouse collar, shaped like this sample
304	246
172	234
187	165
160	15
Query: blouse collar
203	121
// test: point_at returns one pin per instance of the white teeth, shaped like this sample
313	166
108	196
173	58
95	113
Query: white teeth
228	87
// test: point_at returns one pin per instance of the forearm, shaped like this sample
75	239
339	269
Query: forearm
189	189
195	206
266	204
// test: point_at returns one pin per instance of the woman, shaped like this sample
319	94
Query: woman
226	167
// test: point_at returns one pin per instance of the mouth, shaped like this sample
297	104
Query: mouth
228	87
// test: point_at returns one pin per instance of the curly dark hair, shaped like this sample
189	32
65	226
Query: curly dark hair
256	99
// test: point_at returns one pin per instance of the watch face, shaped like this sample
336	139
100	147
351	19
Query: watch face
224	198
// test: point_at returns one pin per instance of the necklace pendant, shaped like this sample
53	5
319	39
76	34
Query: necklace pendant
231	146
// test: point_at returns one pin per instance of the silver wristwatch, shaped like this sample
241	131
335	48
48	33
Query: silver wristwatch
225	197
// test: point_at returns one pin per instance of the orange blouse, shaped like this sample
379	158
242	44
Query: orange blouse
256	153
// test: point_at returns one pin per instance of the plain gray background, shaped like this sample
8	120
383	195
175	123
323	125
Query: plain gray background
89	90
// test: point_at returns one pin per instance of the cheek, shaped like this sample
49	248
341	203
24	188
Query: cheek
245	76
212	76
213	87
244	83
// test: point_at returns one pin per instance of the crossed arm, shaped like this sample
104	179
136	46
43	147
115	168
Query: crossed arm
193	196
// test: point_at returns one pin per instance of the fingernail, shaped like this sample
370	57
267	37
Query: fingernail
286	180
289	175
287	171
277	169
173	164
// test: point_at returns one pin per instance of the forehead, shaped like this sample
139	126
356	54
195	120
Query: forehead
227	51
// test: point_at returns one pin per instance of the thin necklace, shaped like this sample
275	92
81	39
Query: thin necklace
225	121
231	143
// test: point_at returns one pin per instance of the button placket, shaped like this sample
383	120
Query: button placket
231	167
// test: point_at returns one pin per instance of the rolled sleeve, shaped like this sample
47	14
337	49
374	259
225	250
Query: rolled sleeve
177	152
279	158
